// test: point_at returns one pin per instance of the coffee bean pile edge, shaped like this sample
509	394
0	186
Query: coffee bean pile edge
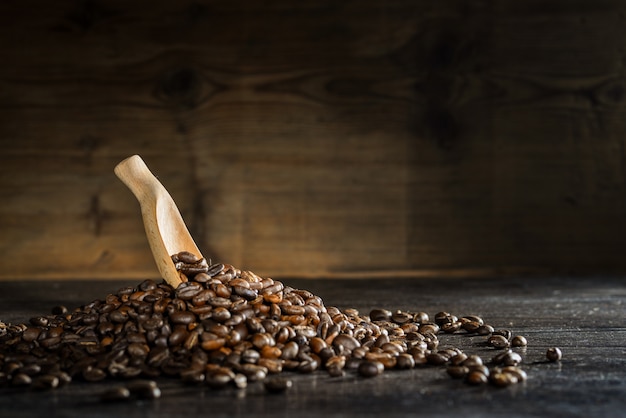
226	327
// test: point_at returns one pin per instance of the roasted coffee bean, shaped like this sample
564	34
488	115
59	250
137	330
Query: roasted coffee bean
498	341
182	317
519	341
220	378
186	257
400	317
444	318
277	384
309	365
473	360
116	394
451	327
63	377
59	310
502	379
503	332
457	372
46	381
370	368
421	317
31	369
240	380
253	372
476	378
93	374
511	359
499	358
21	379
484	330
554	354
437	358
380	315
432	329
144	389
405	361
471	326
273	365
346	341
39	321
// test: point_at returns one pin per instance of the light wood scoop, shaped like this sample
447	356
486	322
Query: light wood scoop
165	228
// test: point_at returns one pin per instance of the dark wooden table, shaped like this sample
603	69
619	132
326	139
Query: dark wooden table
585	317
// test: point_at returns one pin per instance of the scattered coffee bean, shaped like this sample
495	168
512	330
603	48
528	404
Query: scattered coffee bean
277	384
554	354
519	341
476	378
498	341
370	368
59	310
501	379
116	394
457	372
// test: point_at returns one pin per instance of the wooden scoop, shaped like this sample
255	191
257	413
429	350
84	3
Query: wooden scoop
165	228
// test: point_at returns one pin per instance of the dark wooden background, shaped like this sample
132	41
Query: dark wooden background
317	138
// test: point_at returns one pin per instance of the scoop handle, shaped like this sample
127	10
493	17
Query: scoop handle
134	173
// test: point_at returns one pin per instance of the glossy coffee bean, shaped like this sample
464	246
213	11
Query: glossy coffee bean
554	354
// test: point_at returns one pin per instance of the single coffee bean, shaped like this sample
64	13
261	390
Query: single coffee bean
21	379
502	379
277	385
437	358
348	342
182	317
517	372
476	378
405	361
444	318
240	380
31	369
46	381
480	368
421	317
499	358
519	341
144	389
380	315
59	310
511	359
219	378
484	330
458	359
39	321
498	341
94	374
471	326
370	368
400	317
554	354
187	257
451	327
457	372
116	394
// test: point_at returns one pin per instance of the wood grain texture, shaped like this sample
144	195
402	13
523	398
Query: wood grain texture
316	139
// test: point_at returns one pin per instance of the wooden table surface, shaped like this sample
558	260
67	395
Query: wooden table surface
585	317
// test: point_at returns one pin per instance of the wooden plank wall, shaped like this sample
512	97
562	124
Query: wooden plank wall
317	138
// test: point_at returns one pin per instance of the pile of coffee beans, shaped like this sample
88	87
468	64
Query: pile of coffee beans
226	327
